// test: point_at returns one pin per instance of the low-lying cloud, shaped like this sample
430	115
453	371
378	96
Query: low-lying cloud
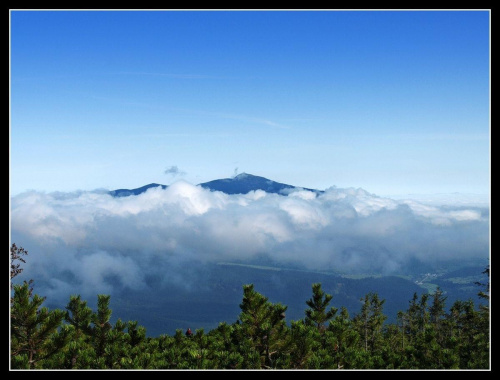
86	242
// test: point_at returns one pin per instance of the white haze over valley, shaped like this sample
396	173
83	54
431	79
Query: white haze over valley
78	241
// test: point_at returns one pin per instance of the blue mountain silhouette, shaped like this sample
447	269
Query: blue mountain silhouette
241	184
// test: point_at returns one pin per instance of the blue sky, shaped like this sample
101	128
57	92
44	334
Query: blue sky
392	102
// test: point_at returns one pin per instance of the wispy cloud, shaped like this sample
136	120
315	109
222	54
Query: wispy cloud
241	117
246	118
222	115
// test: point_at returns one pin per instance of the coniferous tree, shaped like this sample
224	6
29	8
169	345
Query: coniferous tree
262	328
304	341
485	293
467	334
347	338
79	317
412	317
101	327
437	313
416	316
484	319
484	309
109	342
402	320
369	320
317	314
36	332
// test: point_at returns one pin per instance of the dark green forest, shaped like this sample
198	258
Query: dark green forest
427	335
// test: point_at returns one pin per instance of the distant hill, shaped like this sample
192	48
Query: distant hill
211	293
241	184
139	190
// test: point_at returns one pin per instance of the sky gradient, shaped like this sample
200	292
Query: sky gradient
394	102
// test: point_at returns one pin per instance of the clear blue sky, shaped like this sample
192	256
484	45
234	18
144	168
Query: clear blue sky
393	102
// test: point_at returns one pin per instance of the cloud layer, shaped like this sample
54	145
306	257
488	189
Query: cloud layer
90	241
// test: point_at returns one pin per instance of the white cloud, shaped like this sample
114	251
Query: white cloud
92	241
443	216
303	211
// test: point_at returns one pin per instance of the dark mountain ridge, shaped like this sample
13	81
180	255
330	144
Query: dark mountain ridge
139	190
244	183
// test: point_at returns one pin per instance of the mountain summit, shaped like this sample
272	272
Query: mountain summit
240	184
244	183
